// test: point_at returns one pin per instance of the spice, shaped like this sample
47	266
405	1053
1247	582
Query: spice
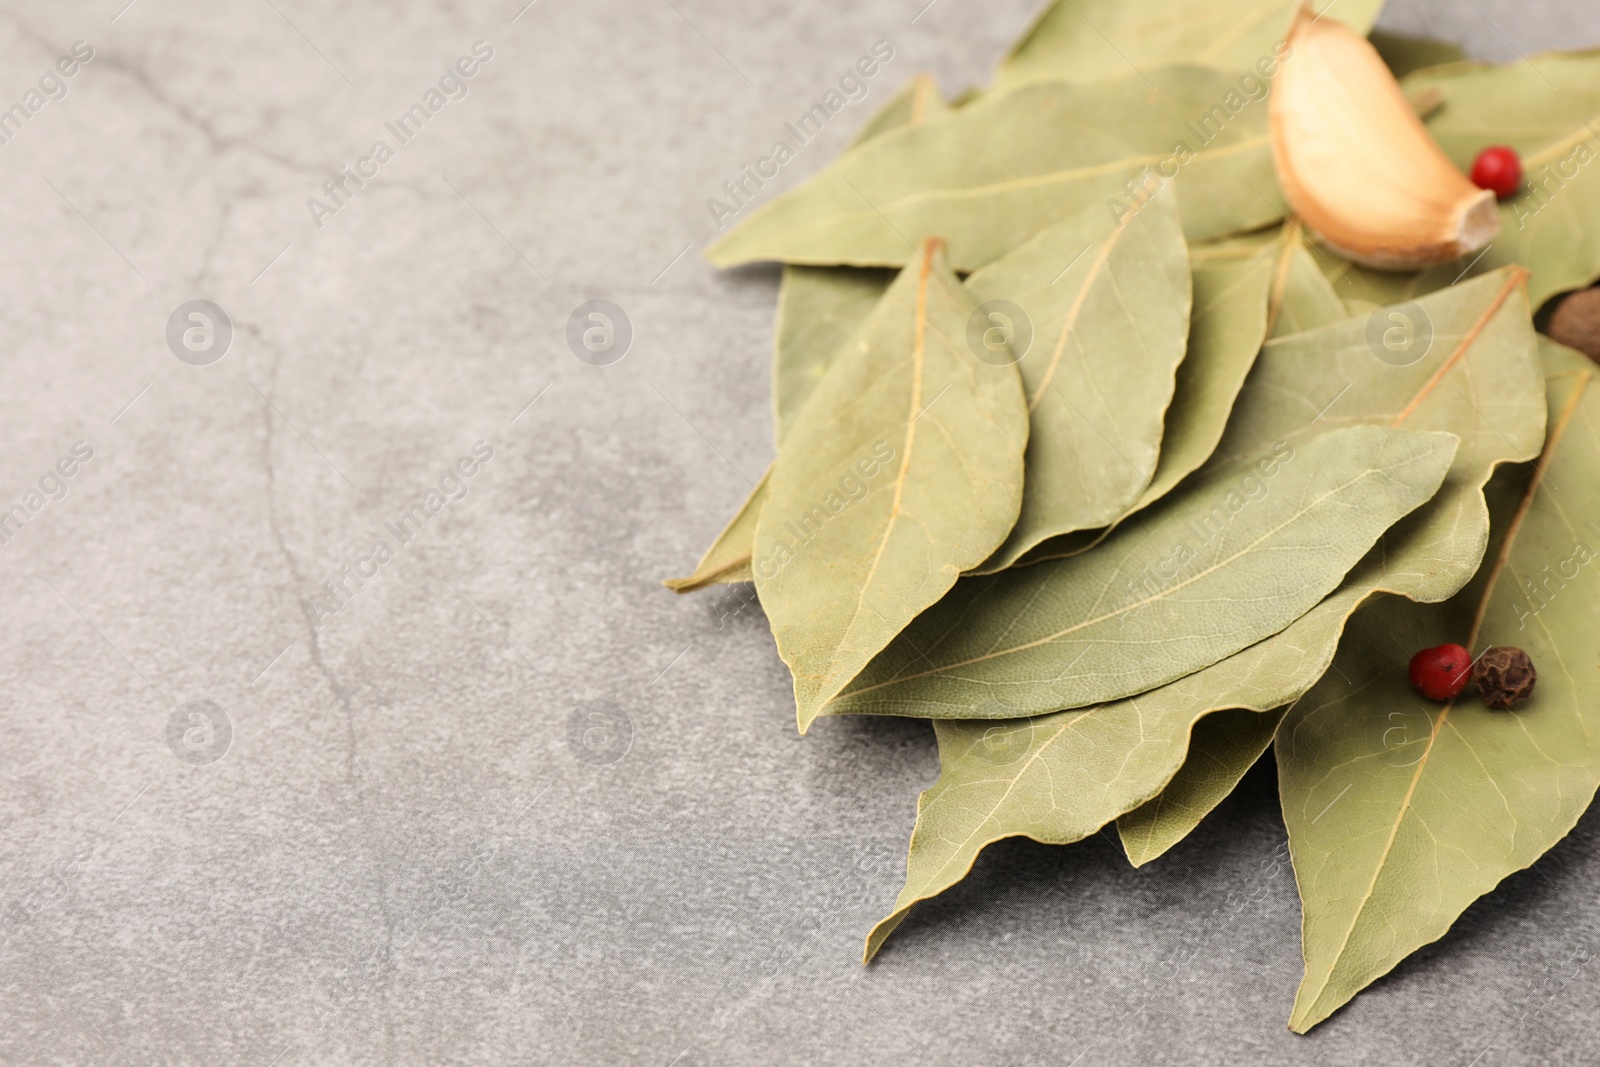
1505	677
1498	170
1441	673
1576	322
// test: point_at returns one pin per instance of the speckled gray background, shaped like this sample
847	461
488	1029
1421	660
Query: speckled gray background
401	859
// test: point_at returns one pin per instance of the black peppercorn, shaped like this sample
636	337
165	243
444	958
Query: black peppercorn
1504	676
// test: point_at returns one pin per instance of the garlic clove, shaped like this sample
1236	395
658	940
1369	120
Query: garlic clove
1356	163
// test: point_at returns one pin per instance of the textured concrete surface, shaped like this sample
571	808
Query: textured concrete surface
419	844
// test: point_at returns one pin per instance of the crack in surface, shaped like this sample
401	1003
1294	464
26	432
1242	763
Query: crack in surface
340	692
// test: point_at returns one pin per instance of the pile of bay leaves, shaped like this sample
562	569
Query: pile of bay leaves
1090	455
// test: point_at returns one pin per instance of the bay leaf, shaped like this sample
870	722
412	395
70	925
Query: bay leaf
903	470
1405	54
728	558
1547	108
1106	306
916	101
995	638
1235	557
1090	40
994	173
1401	811
1226	327
1454	532
1302	297
1059	778
1475	370
1226	331
1020	782
1224	746
819	310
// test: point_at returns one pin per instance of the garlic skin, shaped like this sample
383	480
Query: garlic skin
1356	163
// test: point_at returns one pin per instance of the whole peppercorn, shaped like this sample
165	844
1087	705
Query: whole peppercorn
1498	169
1576	322
1505	677
1441	673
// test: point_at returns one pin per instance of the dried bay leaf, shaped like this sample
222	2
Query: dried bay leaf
1302	297
1404	54
1059	778
1479	376
904	470
1178	588
1022	781
1107	305
1223	746
1226	328
994	173
728	558
1401	811
914	102
1089	40
819	310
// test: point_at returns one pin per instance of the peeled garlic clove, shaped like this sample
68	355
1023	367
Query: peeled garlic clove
1357	164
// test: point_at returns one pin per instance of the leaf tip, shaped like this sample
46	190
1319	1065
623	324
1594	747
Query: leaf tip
879	934
719	254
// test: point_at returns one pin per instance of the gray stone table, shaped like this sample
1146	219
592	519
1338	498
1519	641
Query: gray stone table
410	852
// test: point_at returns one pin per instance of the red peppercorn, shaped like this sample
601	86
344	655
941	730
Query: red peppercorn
1498	169
1441	673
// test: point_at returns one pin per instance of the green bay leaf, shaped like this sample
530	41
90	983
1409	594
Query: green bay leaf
1059	778
819	310
1226	328
916	101
1090	40
1302	297
1401	811
1477	374
728	558
994	173
903	470
1107	304
1224	746
1479	377
1235	557
1021	780
1405	54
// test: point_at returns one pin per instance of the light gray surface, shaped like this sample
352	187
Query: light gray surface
401	858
